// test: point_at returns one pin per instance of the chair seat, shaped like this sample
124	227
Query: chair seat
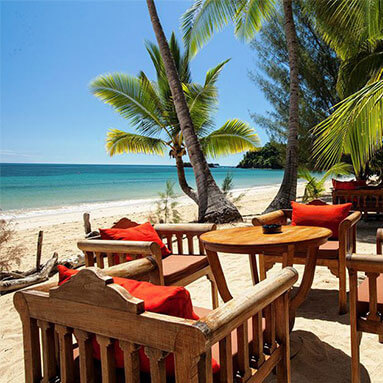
364	295
176	267
329	250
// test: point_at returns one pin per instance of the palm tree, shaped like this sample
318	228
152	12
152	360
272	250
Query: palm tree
207	16
148	106
354	29
213	206
315	186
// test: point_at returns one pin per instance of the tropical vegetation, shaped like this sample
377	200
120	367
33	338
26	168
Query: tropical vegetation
149	107
354	29
268	157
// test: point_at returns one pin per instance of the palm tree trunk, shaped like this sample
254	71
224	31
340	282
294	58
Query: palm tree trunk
288	189
182	180
213	206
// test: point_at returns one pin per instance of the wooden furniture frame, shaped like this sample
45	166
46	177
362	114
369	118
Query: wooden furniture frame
251	241
370	321
86	305
335	260
363	200
379	241
180	240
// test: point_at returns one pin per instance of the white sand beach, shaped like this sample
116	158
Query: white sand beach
320	336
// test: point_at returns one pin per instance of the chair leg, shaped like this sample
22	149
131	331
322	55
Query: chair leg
342	291
355	355
380	338
214	290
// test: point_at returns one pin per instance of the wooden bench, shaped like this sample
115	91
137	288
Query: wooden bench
332	254
363	200
59	324
186	264
366	302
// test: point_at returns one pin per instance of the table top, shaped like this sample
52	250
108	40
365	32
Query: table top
243	237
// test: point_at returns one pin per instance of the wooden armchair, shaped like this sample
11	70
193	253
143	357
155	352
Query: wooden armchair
366	303
186	264
59	324
332	254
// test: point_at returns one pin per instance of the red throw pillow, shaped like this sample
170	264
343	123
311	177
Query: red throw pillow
343	185
169	300
144	232
328	216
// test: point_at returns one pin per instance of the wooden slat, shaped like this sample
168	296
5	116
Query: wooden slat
131	361
89	258
66	353
269	333
157	364
225	360
122	258
201	247
180	244
190	244
373	294
205	373
110	257
48	348
243	351
257	345
108	366
99	260
169	242
84	340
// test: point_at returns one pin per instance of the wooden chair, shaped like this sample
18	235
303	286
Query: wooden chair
366	302
332	254
60	322
186	264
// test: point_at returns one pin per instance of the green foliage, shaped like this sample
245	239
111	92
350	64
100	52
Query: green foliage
268	157
315	186
227	187
166	211
149	108
318	68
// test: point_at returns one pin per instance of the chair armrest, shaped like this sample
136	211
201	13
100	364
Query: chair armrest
379	241
351	220
119	247
365	263
184	228
277	216
230	315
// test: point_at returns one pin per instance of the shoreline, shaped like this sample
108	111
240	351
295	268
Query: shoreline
46	216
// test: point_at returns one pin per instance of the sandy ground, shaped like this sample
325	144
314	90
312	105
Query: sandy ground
320	338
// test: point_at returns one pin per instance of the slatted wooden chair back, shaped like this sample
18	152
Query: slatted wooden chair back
60	323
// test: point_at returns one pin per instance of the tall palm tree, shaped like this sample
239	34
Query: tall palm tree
212	203
149	108
207	16
355	31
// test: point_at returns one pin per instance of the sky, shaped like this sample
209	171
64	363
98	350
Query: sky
51	50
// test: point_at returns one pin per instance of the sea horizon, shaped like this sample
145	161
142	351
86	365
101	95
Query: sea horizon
28	189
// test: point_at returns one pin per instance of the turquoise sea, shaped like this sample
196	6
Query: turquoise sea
37	186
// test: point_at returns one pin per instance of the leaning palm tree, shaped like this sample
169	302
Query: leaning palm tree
213	205
208	16
355	30
148	107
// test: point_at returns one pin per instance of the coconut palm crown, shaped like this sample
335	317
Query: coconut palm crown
149	108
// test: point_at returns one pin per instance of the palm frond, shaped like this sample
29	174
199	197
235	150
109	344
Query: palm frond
234	136
355	128
204	18
119	142
132	98
339	169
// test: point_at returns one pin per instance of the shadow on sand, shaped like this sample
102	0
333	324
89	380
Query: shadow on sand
319	362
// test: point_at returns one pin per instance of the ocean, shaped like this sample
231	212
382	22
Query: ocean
33	187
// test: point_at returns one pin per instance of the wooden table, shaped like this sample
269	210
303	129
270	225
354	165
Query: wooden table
252	241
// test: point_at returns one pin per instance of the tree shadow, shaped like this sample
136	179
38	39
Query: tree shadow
318	362
366	231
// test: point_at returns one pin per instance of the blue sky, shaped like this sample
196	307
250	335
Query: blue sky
50	50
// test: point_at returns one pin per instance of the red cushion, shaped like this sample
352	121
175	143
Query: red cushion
329	216
169	300
144	232
348	185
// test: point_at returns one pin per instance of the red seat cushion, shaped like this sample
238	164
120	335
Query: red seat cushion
348	185
328	216
169	300
144	232
364	295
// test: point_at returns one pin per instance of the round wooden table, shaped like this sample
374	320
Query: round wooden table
252	241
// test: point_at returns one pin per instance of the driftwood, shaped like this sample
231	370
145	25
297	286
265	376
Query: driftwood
39	249
40	276
73	262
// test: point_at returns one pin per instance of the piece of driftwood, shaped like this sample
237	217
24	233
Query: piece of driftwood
39	249
73	262
40	276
